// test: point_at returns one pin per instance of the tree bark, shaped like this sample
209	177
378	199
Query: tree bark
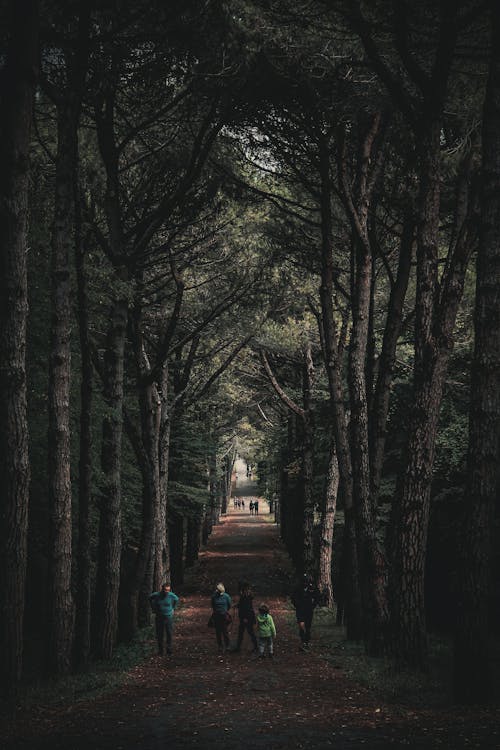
60	541
109	546
327	527
18	82
436	308
333	370
472	654
392	329
82	601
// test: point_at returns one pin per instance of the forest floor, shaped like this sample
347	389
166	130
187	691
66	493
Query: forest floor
196	698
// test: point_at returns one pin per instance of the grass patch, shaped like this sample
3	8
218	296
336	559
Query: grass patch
100	678
432	689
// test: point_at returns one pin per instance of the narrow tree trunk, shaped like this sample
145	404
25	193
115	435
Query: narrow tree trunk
60	543
473	669
177	547
333	370
82	601
327	527
16	99
162	551
392	329
308	463
192	540
109	550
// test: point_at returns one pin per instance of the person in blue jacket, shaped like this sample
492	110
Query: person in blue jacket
221	604
163	604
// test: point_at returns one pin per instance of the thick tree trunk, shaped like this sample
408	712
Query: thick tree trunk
60	545
327	527
434	324
109	550
16	99
472	657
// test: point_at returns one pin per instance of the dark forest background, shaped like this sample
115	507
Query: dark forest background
258	228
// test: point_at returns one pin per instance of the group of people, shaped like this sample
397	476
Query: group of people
260	627
253	507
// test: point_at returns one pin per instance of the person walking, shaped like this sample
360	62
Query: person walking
266	631
246	616
256	507
221	605
163	604
305	599
251	507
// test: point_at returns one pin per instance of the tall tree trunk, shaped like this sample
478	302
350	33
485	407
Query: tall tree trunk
162	551
333	370
82	602
308	462
472	657
371	560
327	526
436	308
392	329
60	544
109	549
17	84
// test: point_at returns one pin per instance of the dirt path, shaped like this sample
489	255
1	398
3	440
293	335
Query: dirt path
198	699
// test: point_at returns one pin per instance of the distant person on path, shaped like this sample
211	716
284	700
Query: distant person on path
221	604
251	508
305	599
246	616
163	604
242	503
266	631
256	507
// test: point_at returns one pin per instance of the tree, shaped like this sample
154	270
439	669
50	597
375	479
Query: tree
17	86
472	663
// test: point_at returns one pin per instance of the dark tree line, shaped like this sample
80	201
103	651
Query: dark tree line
257	227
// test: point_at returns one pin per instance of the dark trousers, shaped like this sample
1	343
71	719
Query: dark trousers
164	623
221	630
305	634
246	626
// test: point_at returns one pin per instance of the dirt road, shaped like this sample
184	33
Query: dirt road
196	698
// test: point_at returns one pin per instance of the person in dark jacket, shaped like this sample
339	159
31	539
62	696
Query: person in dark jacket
305	599
246	616
221	605
163	604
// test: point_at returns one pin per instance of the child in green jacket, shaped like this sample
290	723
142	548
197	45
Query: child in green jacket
266	631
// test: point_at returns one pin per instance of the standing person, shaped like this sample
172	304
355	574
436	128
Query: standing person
305	599
251	508
256	507
163	604
266	631
221	604
246	616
